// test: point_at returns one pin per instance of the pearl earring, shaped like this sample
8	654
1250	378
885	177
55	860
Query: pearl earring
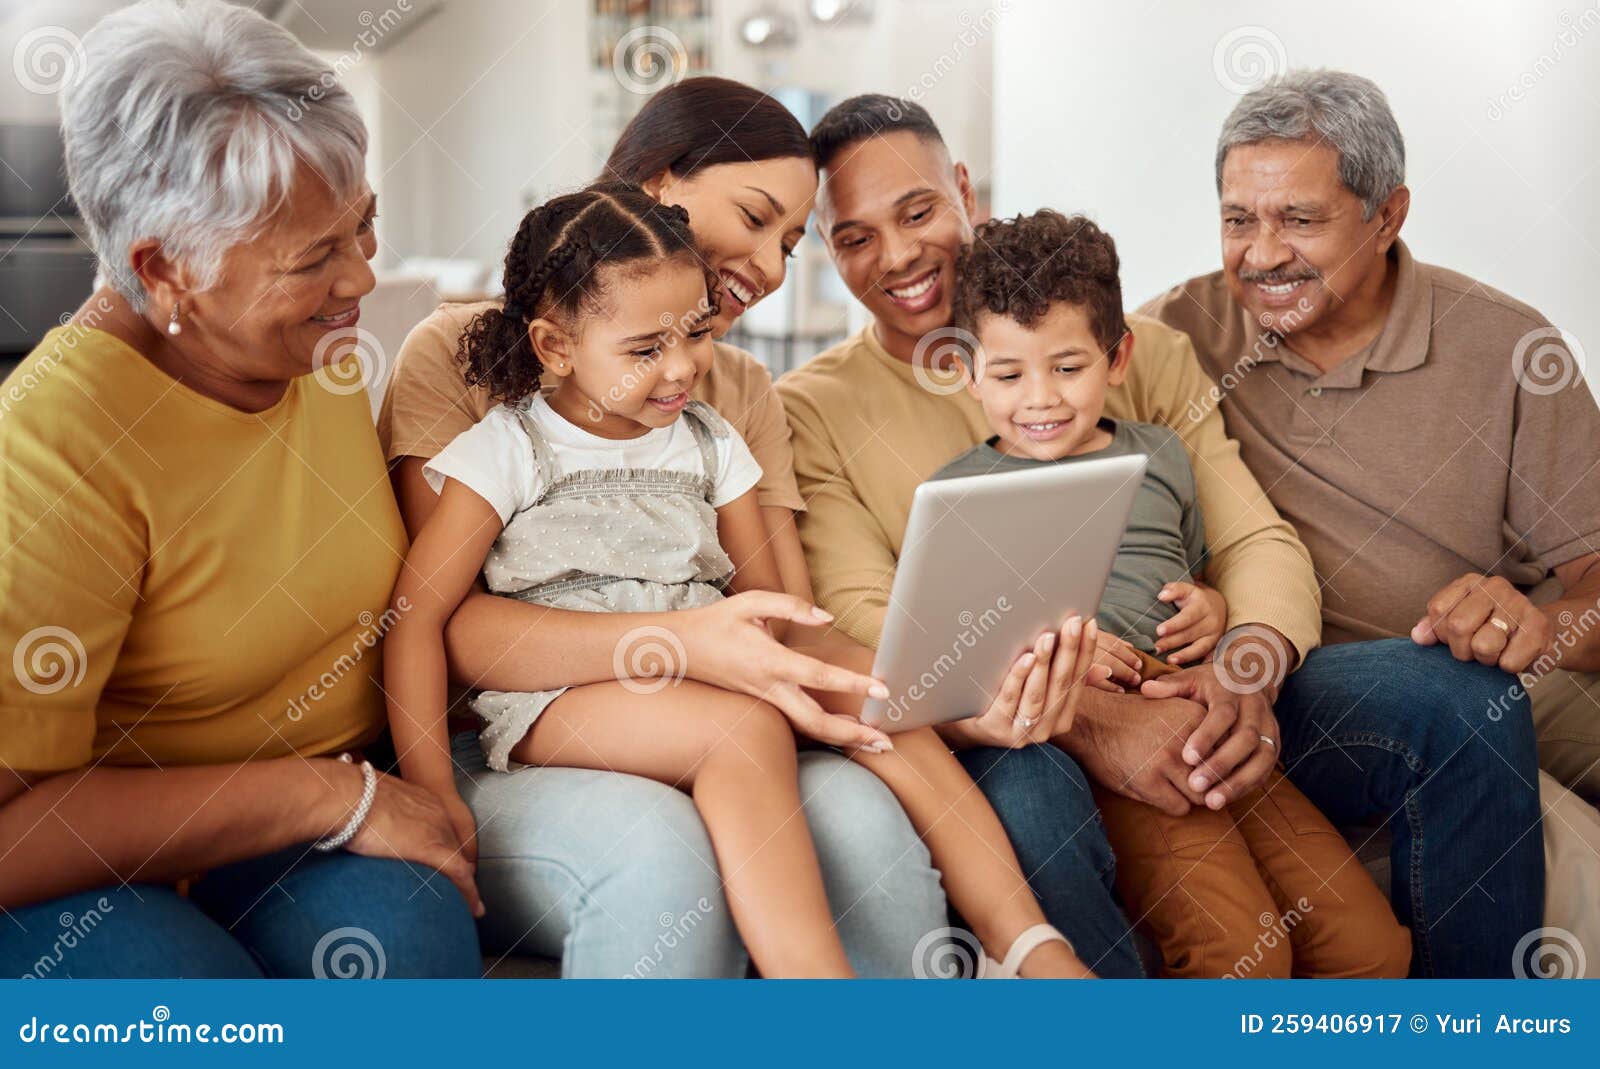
173	326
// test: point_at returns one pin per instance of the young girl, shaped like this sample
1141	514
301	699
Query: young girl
615	492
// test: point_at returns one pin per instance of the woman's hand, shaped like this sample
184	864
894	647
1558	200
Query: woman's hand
1116	664
1039	698
410	823
1193	633
729	645
463	821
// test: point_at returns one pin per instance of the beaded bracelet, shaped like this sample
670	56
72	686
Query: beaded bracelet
369	790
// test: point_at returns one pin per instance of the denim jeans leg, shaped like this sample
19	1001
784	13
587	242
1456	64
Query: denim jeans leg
1444	752
141	931
305	914
1044	803
615	875
610	874
882	886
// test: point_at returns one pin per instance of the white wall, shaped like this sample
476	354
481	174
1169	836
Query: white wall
1114	110
38	39
939	52
479	109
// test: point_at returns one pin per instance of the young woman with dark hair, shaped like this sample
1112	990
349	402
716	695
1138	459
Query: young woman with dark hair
581	865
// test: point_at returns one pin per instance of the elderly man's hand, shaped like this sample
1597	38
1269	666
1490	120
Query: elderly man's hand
1133	746
1237	743
1484	618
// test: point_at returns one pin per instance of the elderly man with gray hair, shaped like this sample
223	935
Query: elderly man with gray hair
1432	441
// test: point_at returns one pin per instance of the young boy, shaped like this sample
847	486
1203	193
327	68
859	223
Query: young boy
1266	887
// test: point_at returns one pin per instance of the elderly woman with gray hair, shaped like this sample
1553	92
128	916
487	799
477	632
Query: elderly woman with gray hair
201	544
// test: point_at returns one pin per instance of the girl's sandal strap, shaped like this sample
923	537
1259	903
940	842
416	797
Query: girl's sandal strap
1026	943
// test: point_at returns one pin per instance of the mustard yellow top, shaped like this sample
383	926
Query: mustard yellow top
868	428
182	582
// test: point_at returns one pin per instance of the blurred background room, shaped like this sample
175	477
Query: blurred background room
480	109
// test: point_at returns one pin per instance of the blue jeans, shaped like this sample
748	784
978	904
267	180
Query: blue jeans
1043	800
615	876
297	913
1390	731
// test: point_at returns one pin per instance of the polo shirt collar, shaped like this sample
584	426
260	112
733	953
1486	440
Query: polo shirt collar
1401	345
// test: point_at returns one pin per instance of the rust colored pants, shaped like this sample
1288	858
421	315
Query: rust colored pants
1264	888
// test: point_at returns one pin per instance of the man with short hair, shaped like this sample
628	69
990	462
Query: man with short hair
875	416
1397	414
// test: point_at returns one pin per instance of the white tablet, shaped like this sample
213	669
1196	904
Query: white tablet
989	563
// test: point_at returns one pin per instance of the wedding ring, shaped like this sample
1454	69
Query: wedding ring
1268	740
1501	624
1026	723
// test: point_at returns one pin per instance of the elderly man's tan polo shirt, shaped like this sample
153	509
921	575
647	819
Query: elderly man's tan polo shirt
1442	448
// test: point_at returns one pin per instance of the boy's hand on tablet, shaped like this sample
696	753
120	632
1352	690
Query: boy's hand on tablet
1194	631
1116	665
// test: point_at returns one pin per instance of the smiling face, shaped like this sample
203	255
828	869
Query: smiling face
1043	388
619	371
1296	251
895	212
747	219
282	293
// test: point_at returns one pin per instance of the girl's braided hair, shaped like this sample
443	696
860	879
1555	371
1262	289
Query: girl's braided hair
554	266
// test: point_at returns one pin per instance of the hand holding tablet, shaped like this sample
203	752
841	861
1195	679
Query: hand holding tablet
989	565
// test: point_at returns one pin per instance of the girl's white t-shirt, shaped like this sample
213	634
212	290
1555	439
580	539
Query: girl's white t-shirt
494	458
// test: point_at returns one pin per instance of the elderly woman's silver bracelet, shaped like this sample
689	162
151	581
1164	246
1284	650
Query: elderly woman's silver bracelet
369	791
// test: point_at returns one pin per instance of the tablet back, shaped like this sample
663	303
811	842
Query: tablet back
990	562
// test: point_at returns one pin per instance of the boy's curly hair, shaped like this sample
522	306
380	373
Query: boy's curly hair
1022	266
